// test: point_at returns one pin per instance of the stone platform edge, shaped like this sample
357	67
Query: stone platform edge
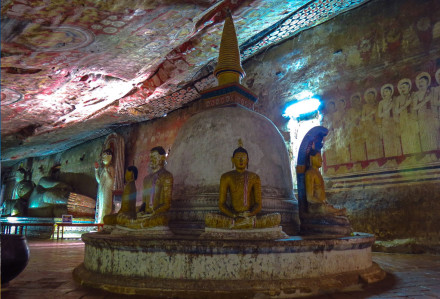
178	288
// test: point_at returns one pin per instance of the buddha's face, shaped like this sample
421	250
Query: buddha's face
404	89
386	93
331	108
19	176
355	102
341	105
129	176
422	84
316	160
240	161
370	98
156	161
106	158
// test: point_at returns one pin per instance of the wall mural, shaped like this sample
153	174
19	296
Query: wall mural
396	126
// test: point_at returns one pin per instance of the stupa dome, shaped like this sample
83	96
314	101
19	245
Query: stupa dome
202	152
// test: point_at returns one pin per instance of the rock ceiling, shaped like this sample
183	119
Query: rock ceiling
73	70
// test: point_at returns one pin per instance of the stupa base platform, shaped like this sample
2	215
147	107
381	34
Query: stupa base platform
271	233
183	267
158	231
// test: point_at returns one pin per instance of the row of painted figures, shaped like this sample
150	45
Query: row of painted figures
406	124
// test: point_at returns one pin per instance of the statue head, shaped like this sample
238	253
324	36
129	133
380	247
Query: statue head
404	86
331	107
355	100
240	158
315	159
107	156
370	96
341	104
157	158
131	174
20	175
387	91
423	81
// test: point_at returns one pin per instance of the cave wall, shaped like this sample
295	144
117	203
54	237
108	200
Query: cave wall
381	159
387	189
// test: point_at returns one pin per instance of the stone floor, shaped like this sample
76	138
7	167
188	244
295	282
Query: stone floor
49	275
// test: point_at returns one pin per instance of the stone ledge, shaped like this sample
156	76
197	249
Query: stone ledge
178	288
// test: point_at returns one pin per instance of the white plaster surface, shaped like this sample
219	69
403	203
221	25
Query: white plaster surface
204	260
204	145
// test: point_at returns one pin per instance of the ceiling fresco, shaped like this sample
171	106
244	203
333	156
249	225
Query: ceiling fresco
73	70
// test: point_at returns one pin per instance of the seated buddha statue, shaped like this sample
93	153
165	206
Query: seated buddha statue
315	192
156	195
244	190
128	203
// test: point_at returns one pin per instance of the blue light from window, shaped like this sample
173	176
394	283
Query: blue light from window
302	107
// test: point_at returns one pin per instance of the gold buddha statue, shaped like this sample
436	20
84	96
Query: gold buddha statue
315	192
128	203
244	190
156	195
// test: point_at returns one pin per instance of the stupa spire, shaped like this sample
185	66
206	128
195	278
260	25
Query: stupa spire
229	68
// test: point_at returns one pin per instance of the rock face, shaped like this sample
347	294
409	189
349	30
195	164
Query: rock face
202	153
404	219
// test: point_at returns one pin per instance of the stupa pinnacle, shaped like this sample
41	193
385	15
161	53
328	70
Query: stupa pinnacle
229	68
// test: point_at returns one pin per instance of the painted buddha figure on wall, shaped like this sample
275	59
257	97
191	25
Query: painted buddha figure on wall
244	190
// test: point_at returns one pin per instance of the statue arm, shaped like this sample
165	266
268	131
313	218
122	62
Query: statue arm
364	114
256	190
380	110
224	185
97	175
417	106
145	197
111	172
166	193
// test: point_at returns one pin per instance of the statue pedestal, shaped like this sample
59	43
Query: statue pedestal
271	233
188	267
324	224
158	231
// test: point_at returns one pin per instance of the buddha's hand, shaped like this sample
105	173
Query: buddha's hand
244	214
143	215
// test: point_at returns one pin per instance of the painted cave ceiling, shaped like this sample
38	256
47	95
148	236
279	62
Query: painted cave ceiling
73	70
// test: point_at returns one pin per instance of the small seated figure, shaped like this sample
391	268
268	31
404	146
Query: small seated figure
128	204
156	195
244	188
315	192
